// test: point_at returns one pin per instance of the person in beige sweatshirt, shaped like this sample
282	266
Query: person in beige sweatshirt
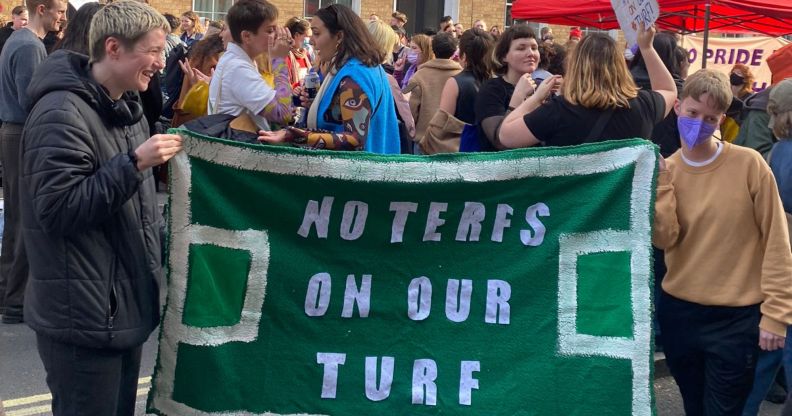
426	86
728	290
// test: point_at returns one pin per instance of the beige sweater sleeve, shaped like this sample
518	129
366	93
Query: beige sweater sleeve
666	224
777	263
414	89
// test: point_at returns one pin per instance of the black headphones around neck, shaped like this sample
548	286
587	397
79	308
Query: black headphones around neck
126	112
123	112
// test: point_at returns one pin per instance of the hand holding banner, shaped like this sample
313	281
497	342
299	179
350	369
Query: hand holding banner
346	283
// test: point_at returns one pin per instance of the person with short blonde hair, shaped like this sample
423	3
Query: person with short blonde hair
122	26
89	211
599	99
385	37
728	289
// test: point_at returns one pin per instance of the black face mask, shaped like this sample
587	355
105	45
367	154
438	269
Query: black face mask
736	80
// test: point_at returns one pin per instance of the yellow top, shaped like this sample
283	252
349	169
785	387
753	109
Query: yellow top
725	236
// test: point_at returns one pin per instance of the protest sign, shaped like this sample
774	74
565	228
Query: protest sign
631	13
723	53
347	283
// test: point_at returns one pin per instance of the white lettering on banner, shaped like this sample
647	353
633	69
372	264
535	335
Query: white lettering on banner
532	217
466	381
424	378
433	221
382	392
353	295
402	210
330	361
470	224
354	221
502	222
471	218
498	309
458	308
419	298
316	217
317	297
424	389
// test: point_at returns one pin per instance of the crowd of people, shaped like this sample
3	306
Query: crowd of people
82	134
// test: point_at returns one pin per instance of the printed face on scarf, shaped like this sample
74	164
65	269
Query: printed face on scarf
325	42
523	56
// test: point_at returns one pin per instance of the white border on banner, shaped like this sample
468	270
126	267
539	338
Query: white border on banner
636	349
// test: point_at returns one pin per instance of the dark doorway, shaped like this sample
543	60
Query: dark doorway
421	14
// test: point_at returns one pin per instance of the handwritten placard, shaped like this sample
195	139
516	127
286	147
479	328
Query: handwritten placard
631	13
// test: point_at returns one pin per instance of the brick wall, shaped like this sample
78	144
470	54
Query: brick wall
175	7
288	9
493	12
382	8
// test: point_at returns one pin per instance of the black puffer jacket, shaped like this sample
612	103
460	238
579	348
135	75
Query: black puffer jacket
89	218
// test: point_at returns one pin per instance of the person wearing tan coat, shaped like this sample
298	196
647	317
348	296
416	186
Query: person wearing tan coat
426	86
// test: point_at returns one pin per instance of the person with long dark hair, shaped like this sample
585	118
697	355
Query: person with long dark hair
353	109
459	93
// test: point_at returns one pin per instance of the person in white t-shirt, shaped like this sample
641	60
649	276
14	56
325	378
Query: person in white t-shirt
237	87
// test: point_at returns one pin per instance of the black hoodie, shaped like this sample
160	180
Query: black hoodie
89	219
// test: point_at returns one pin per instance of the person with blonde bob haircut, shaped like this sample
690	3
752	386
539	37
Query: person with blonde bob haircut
599	99
90	216
387	39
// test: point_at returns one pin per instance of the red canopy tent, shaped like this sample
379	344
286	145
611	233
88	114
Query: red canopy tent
768	17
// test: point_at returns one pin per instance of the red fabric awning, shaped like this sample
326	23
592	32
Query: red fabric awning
769	17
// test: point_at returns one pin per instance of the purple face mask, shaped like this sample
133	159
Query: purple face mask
694	131
412	57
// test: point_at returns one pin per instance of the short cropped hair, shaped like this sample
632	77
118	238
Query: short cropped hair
444	45
16	11
714	83
33	4
249	15
399	16
126	20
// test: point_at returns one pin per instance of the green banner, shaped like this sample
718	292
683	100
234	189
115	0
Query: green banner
336	283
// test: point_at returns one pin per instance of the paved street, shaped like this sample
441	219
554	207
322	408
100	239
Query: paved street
24	391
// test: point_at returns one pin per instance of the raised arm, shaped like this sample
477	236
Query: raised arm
661	79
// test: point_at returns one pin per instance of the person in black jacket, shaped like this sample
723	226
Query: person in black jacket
19	19
89	211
